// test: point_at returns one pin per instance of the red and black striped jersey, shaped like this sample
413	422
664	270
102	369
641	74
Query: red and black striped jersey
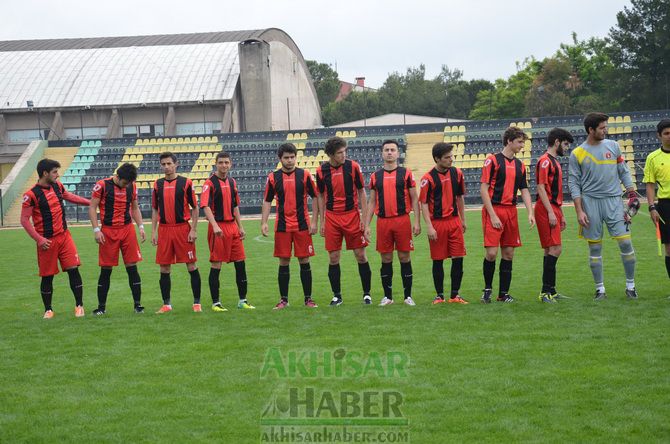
392	191
115	202
339	185
221	196
440	191
548	173
291	190
505	178
173	200
48	209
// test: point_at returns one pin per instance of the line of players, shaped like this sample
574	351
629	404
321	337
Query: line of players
597	169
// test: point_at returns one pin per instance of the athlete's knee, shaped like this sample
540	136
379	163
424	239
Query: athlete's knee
626	248
360	255
555	250
403	256
595	252
334	257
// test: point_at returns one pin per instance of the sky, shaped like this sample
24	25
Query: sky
368	38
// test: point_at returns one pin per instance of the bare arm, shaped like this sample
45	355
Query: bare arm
528	202
460	204
414	199
137	217
212	221
238	221
372	199
93	217
362	198
430	230
265	214
322	210
154	227
488	206
651	198
42	242
316	211
193	234
75	199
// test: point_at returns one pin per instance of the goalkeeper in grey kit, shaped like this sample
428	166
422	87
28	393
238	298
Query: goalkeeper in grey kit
597	170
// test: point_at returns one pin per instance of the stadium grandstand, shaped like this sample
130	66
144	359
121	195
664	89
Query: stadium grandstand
254	154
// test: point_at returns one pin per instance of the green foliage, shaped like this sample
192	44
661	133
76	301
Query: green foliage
410	93
325	80
640	48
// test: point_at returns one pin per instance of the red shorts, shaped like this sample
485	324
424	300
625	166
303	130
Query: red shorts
347	225
549	237
119	238
450	242
508	236
62	250
228	247
301	241
173	245
394	233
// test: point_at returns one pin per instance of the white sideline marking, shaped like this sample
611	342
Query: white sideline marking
260	239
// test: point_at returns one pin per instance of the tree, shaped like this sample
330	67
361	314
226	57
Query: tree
507	97
640	47
325	80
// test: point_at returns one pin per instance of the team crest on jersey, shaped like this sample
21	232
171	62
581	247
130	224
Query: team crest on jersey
487	162
204	188
26	198
424	182
608	155
97	187
545	164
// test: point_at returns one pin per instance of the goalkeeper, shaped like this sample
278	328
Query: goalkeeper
596	171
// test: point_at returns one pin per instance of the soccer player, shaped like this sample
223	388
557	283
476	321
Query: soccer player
596	171
503	175
291	186
548	212
44	204
392	197
116	197
221	201
341	188
657	172
173	204
443	208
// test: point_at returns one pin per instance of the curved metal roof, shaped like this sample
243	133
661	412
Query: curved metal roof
125	70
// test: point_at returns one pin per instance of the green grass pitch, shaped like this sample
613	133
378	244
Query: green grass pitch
570	372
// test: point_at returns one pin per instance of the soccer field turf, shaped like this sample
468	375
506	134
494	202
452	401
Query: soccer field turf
573	371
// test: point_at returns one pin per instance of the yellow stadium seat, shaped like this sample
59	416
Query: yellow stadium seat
215	139
612	119
447	129
289	136
527	125
618	119
481	157
627	129
461	139
461	129
626	119
338	133
303	136
614	130
466	157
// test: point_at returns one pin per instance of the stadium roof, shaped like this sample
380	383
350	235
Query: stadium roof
158	69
